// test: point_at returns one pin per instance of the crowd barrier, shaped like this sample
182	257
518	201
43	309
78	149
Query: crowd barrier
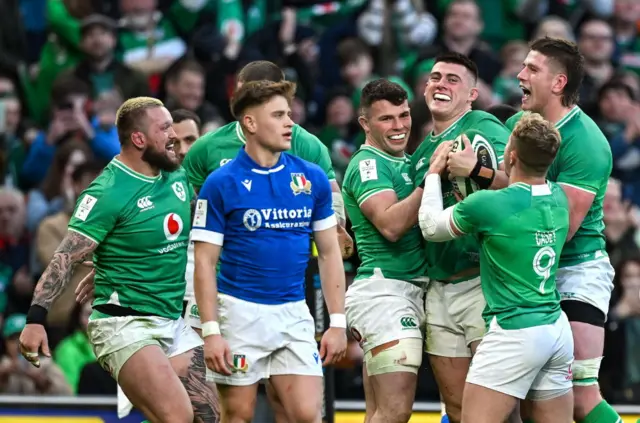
34	409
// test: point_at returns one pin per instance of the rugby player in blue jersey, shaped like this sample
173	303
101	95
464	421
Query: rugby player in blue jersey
263	207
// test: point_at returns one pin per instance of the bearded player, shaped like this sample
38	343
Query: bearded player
550	81
385	303
134	218
528	349
454	300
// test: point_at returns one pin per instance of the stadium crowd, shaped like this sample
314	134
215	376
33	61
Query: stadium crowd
67	65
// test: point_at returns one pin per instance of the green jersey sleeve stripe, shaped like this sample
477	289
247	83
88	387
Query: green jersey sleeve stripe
83	234
456	227
577	187
364	197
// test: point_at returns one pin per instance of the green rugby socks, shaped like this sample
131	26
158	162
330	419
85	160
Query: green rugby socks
602	413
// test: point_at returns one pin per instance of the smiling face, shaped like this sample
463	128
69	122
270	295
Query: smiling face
540	82
387	126
450	90
159	139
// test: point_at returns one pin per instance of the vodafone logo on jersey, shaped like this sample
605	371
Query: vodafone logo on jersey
172	226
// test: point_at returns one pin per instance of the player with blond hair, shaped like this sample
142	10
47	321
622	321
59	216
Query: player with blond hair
134	219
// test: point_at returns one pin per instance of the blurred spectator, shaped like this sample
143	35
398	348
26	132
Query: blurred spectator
50	234
596	43
502	111
16	281
625	25
148	39
18	376
187	127
620	121
75	351
506	86
621	224
555	27
56	191
100	69
185	82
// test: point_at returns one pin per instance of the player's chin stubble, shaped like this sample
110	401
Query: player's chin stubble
160	160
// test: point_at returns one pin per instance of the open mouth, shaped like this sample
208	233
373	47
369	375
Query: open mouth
287	135
170	146
397	137
441	98
526	92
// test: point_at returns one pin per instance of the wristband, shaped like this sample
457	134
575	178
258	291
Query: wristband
482	181
210	328
337	321
37	315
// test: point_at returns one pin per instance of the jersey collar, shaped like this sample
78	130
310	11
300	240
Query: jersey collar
248	163
403	159
239	133
447	131
566	118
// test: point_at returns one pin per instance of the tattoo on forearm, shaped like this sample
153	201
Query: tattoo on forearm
73	249
203	396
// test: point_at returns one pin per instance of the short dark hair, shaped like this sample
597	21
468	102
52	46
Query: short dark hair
536	142
92	167
180	115
255	93
459	59
184	64
260	70
351	49
567	57
382	89
131	115
615	84
502	111
67	85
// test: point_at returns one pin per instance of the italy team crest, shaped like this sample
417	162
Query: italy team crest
240	363
300	183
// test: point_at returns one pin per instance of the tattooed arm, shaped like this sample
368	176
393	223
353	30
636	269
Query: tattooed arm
73	249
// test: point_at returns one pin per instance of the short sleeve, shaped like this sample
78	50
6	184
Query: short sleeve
95	214
195	163
582	168
311	149
370	177
209	216
323	216
512	121
498	135
472	214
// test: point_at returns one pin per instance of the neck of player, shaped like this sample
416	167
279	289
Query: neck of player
554	111
133	161
262	156
517	175
439	126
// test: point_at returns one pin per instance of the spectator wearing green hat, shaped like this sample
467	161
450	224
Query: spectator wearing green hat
17	376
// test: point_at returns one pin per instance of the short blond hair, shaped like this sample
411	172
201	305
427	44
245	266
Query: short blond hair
131	113
536	142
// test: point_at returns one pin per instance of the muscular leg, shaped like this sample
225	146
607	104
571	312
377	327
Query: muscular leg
301	397
369	397
238	402
279	414
151	384
190	368
450	374
392	370
556	410
484	405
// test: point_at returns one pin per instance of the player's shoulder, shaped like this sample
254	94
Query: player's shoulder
108	181
480	120
212	140
299	133
579	126
513	120
559	194
369	158
299	164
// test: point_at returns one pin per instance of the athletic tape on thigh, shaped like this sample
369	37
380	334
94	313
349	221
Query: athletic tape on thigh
585	372
405	356
338	206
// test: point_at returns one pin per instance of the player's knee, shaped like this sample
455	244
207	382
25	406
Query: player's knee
306	411
179	414
389	415
405	356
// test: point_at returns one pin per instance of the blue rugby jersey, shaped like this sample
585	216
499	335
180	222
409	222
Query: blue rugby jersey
264	218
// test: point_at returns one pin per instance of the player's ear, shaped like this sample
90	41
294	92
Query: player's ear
364	123
249	123
559	82
138	139
473	94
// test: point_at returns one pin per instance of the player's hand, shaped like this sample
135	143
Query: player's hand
438	161
346	242
333	346
86	288
33	339
217	354
462	162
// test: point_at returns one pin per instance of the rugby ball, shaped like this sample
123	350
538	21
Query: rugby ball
485	153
